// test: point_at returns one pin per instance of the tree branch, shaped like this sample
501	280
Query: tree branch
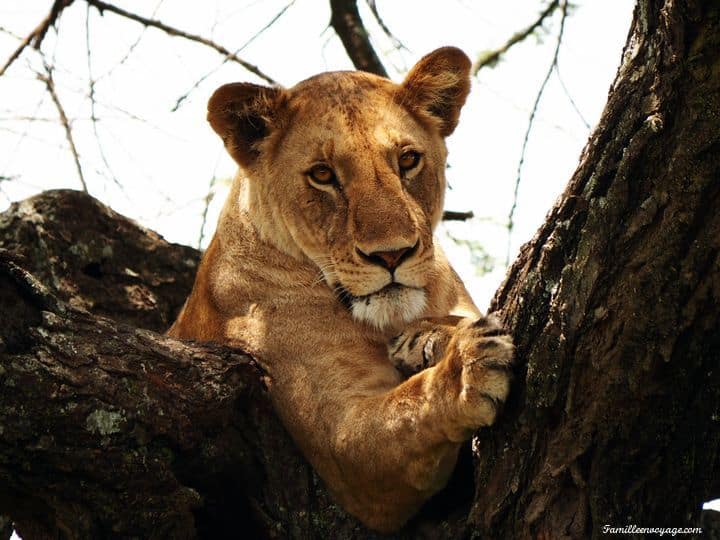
181	99
450	215
490	58
374	10
93	103
348	25
47	78
38	34
103	6
127	432
570	98
526	138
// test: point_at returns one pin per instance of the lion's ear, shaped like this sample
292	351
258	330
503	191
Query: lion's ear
243	114
437	86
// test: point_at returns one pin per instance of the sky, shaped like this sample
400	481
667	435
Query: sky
156	161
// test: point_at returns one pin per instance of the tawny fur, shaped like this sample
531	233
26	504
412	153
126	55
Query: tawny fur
284	279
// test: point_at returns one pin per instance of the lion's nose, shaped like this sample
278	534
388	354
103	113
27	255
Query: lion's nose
389	260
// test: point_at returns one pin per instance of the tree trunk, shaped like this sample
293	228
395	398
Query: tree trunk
614	305
111	431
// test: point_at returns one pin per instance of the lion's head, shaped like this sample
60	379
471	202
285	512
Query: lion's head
348	169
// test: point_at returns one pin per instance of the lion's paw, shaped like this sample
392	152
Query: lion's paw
483	352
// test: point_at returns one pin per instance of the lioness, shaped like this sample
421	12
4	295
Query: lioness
323	266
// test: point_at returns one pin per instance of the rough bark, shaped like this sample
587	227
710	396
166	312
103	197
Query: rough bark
614	306
107	430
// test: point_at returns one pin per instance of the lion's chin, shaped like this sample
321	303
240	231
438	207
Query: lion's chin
392	306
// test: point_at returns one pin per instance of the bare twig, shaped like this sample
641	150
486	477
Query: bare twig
570	99
25	135
511	214
38	34
132	46
490	58
93	104
348	25
183	97
10	33
47	78
21	136
206	206
374	10
27	118
103	6
7	179
450	215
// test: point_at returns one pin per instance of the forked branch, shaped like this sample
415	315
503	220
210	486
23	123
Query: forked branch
38	34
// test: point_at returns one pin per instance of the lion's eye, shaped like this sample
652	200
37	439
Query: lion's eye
408	160
322	174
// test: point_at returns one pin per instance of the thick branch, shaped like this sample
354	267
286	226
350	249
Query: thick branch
109	430
348	25
112	409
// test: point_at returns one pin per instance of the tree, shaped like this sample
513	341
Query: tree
108	430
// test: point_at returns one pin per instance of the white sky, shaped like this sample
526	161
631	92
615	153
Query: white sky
165	163
166	160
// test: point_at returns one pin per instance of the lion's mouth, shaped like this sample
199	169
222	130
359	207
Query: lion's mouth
389	291
394	303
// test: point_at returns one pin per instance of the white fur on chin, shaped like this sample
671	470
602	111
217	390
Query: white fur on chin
392	307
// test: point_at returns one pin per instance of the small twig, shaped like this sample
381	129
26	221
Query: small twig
450	215
38	34
183	97
24	118
21	136
103	6
25	135
91	96
10	33
130	49
490	58
8	200
50	85
348	25
207	200
374	10
570	99
511	214
9	178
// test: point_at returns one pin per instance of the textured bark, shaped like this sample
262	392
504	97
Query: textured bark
107	430
614	305
98	260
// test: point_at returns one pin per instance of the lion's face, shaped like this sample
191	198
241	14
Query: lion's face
347	169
